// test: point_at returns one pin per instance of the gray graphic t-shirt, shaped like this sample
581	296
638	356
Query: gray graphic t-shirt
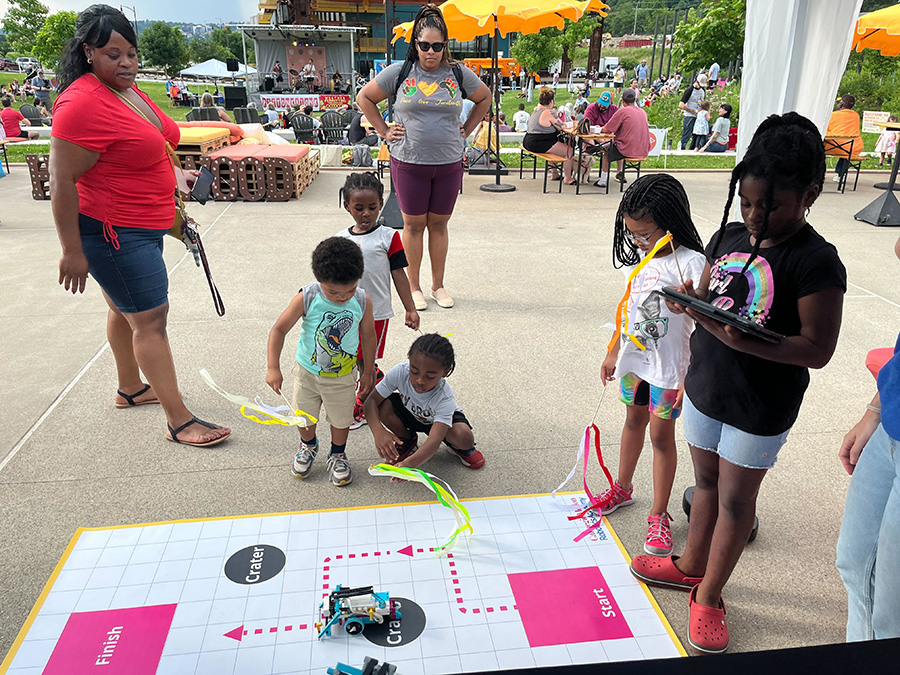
428	106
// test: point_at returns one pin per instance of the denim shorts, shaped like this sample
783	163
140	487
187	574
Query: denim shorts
731	444
133	275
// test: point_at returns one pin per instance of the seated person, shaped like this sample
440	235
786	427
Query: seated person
360	135
844	122
601	112
12	119
504	127
317	125
206	101
543	131
718	137
632	132
272	116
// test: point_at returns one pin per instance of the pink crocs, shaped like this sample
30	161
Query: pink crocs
708	631
658	571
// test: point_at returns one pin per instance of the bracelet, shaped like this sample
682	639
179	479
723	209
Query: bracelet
874	408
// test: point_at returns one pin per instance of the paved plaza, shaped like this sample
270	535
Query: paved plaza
534	283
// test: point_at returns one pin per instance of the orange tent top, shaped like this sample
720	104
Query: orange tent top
879	30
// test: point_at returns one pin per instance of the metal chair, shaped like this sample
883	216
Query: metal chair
333	128
242	116
347	117
304	128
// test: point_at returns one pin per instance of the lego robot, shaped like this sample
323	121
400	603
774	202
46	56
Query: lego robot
353	608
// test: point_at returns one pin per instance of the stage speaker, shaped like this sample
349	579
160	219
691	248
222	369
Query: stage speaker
268	84
232	65
235	97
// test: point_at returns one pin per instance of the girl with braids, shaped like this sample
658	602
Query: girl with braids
654	349
385	260
742	395
414	397
427	142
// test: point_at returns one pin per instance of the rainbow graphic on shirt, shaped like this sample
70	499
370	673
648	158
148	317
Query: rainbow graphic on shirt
760	285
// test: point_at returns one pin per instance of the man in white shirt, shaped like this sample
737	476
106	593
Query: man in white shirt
520	119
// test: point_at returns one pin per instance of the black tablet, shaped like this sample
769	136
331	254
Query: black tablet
717	314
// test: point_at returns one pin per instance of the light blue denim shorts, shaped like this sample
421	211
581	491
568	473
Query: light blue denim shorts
731	444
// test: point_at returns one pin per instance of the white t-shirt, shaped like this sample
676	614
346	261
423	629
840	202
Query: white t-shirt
665	335
382	251
520	120
437	405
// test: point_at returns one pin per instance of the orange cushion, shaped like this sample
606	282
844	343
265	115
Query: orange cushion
234	131
236	151
292	153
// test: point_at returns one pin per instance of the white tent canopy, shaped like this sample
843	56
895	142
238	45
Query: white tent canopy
216	70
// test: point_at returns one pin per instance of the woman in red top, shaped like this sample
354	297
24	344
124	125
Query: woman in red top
112	196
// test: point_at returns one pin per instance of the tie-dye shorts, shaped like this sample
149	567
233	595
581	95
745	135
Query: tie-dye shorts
660	402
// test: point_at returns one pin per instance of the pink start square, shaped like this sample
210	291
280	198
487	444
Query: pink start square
562	607
114	642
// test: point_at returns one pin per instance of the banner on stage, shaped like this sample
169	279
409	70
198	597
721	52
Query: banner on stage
317	101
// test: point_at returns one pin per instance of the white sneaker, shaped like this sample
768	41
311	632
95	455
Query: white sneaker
303	460
340	469
836	179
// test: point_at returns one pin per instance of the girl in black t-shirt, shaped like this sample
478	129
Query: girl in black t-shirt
742	394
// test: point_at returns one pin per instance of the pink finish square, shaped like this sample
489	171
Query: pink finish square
567	606
114	641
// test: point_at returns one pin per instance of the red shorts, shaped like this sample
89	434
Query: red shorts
380	335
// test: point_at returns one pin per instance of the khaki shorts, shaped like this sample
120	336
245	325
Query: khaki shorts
338	394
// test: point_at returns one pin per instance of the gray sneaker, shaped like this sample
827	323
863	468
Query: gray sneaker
339	469
303	461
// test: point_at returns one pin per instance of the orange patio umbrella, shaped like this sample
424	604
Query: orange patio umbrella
877	30
467	19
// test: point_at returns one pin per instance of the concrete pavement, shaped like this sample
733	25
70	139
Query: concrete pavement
534	284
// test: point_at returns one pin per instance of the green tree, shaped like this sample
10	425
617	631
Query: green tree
57	30
717	36
232	41
164	46
22	22
4	45
572	35
203	49
537	51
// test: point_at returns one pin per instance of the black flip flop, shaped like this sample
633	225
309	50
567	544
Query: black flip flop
184	426
131	403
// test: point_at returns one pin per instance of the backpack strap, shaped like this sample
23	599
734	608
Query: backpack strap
404	73
457	73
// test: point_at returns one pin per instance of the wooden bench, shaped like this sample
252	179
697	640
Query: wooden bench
549	160
39	169
631	164
383	161
842	147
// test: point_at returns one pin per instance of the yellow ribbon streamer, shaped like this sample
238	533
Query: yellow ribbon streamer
444	493
297	418
621	310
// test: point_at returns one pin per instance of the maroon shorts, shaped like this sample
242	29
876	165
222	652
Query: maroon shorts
426	188
380	335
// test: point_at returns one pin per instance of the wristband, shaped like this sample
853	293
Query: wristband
874	408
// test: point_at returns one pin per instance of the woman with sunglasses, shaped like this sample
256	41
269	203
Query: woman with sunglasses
427	142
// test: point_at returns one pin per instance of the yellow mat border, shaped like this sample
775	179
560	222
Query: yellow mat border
32	615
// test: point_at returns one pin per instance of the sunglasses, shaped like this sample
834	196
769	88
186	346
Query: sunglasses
437	47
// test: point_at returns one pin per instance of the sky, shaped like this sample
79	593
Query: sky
197	11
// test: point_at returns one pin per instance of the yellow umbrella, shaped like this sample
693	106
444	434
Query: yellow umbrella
877	30
467	19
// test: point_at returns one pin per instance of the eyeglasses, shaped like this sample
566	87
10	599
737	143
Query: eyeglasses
632	237
438	47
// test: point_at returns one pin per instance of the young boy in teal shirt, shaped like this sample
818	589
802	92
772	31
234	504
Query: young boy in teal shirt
335	314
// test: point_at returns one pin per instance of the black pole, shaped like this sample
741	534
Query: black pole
495	118
653	51
662	48
672	47
387	57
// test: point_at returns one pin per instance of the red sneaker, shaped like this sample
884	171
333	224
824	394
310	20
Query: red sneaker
406	448
472	459
657	571
615	497
708	631
359	415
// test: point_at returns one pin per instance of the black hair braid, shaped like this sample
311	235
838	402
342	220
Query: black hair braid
93	28
787	153
361	180
430	16
661	197
436	347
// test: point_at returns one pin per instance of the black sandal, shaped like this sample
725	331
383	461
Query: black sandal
131	403
184	426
